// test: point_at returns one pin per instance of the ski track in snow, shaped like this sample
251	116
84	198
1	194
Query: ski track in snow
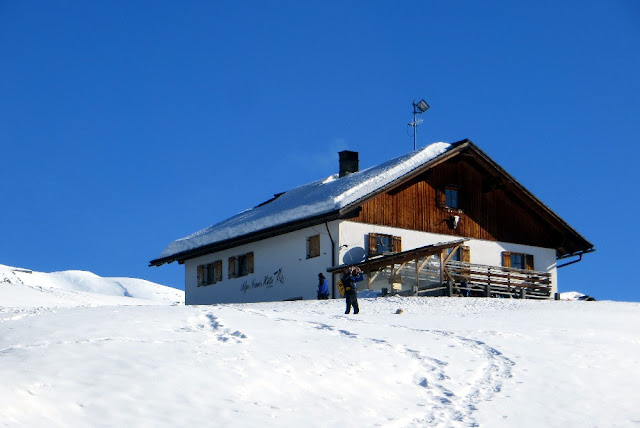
445	408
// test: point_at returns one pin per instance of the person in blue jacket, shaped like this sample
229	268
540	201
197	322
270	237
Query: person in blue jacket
349	279
323	287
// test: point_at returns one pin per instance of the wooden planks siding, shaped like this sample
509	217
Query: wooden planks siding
488	209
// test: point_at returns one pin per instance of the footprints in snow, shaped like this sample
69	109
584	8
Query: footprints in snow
486	374
212	324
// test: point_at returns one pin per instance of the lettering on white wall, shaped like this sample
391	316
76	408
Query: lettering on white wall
268	281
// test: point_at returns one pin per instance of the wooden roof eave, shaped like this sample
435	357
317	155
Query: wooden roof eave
532	201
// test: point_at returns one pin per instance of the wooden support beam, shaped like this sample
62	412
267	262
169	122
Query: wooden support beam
401	267
374	276
416	287
441	267
426	260
452	253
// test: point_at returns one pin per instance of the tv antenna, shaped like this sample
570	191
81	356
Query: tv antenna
418	108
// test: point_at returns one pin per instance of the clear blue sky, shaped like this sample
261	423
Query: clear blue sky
126	125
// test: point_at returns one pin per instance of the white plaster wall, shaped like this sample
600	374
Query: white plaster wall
298	276
353	243
281	270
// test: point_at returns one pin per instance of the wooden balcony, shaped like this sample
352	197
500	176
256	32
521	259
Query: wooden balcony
468	279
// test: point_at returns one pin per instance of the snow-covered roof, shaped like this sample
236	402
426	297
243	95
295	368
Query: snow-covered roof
309	200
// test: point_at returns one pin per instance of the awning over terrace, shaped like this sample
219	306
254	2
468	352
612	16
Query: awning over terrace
416	258
431	270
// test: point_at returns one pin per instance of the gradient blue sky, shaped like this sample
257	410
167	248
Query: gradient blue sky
126	125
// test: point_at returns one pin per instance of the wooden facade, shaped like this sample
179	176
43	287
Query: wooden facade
491	207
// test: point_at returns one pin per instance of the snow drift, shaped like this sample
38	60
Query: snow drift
74	288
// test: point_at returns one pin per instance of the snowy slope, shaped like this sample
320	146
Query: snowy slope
443	362
23	287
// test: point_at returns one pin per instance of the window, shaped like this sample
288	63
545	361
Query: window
382	244
517	260
462	254
210	273
449	197
313	246
456	256
241	265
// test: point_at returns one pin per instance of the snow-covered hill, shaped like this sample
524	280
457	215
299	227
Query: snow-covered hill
23	287
444	362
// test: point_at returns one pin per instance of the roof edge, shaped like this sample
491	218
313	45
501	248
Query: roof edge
182	256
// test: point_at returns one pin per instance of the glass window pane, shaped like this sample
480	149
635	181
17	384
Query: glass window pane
456	256
517	261
451	196
242	265
384	244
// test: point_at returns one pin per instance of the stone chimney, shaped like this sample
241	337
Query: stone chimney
348	162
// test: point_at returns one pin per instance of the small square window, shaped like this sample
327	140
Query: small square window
456	256
451	197
313	246
517	261
210	273
241	265
384	244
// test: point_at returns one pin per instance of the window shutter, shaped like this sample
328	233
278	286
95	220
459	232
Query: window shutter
465	257
465	254
506	259
397	244
218	271
232	267
528	261
314	246
250	262
200	275
373	244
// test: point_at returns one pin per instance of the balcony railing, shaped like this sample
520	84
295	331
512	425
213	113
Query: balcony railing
495	281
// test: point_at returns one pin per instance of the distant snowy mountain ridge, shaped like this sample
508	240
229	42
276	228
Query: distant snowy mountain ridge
23	287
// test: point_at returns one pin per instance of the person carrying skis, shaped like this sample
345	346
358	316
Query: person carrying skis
349	279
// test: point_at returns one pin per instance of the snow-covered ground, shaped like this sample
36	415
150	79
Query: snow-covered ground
76	351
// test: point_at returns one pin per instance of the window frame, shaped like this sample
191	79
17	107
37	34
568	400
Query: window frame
395	244
444	200
452	197
527	260
241	265
313	246
209	273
